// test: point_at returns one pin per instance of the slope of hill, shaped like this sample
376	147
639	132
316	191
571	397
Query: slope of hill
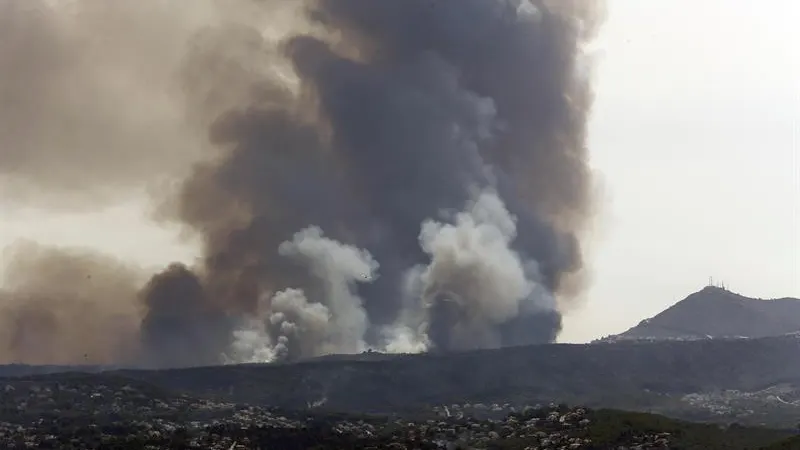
714	312
751	380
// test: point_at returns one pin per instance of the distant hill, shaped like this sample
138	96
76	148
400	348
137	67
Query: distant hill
752	381
715	312
749	380
18	370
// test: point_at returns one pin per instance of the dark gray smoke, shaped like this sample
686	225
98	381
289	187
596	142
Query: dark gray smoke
395	174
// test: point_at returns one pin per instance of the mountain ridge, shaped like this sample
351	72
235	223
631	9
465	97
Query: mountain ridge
715	312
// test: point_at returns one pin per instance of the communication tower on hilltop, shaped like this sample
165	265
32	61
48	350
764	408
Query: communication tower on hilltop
721	284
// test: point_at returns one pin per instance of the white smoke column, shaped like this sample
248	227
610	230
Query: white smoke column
294	319
338	267
408	334
289	324
289	317
251	344
405	339
474	269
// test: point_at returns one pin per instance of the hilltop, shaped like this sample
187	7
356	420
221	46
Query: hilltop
714	312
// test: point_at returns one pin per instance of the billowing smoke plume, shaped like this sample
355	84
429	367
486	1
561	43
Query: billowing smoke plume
289	325
476	284
399	175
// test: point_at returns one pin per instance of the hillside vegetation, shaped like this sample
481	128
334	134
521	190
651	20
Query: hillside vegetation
81	410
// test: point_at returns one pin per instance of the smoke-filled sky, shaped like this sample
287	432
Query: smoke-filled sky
402	175
302	220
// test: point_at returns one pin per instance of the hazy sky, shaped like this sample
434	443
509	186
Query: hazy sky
695	139
695	135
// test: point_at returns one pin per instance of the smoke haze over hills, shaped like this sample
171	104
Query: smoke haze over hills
402	175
